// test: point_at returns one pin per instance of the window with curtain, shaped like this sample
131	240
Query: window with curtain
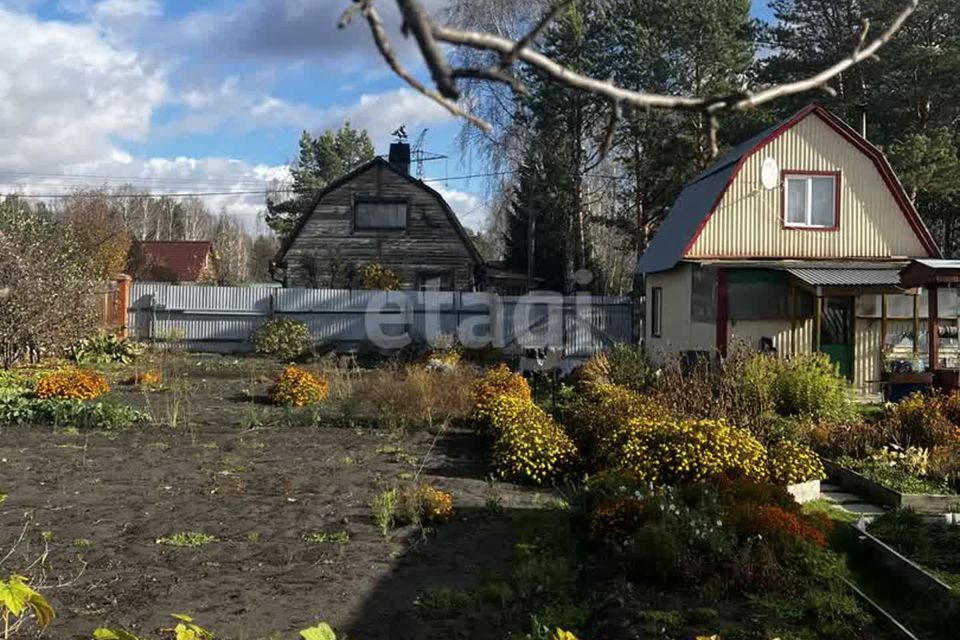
380	214
811	201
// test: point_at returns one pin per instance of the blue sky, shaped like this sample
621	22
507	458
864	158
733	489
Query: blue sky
178	95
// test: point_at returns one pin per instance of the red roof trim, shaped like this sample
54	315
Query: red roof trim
879	160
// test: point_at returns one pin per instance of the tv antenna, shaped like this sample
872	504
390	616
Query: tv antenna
420	155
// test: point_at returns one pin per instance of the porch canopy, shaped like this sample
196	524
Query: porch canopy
844	278
931	274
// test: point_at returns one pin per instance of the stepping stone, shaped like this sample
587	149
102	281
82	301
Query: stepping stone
862	508
826	486
840	497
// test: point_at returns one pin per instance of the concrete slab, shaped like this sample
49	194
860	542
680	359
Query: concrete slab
840	497
862	508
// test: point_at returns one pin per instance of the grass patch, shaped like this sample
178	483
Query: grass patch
322	537
187	539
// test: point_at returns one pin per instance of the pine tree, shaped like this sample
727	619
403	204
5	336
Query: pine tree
321	160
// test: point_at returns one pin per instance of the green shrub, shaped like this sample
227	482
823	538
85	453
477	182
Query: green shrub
629	367
281	338
68	413
596	419
810	385
104	347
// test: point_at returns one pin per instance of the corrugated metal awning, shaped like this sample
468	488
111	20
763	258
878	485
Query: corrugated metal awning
847	277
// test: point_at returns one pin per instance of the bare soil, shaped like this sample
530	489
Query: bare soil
93	506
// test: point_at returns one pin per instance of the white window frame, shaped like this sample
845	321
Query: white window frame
807	179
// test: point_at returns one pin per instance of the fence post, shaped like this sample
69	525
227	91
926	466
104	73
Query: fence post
121	306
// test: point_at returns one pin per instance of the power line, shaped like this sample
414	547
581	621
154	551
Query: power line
137	195
172	179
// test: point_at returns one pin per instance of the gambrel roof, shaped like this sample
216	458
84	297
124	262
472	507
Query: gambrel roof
700	198
280	258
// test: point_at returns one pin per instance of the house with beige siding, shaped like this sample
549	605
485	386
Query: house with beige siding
792	242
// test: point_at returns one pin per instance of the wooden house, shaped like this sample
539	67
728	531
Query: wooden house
791	242
379	214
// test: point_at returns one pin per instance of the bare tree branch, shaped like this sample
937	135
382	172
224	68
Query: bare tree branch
429	35
534	33
416	20
383	45
493	74
616	112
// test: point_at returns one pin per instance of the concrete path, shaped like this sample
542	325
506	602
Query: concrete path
849	501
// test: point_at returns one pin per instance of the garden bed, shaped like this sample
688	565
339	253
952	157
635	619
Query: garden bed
284	494
904	570
875	492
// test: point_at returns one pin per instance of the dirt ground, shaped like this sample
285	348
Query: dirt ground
94	505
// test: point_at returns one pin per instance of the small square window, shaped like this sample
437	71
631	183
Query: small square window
811	201
656	312
380	214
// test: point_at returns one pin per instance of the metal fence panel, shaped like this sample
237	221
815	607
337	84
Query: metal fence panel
222	319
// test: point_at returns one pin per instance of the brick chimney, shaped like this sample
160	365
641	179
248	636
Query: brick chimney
400	157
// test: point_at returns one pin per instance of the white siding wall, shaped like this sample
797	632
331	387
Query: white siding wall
679	333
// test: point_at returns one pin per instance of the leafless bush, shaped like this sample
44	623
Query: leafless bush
50	301
412	396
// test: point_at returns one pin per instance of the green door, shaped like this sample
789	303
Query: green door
837	333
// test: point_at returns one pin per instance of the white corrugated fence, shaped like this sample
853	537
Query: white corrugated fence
221	319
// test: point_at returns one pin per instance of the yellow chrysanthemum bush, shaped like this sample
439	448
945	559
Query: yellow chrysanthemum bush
679	451
72	384
297	387
494	383
529	445
790	462
378	277
597	416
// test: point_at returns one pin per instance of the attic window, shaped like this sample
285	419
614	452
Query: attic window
811	201
380	214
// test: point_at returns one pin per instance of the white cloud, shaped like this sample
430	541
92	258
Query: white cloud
297	30
125	9
228	107
472	211
72	97
66	94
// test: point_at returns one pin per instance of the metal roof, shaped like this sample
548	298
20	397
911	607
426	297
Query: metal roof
693	206
848	276
939	264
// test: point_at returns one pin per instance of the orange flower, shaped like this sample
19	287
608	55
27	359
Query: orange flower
72	384
297	387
